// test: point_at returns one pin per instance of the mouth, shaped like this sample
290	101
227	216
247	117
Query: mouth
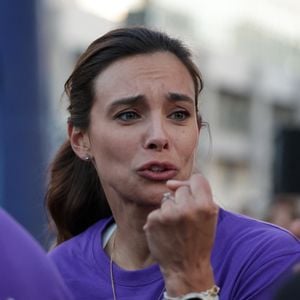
158	171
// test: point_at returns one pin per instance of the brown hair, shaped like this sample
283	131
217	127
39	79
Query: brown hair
75	198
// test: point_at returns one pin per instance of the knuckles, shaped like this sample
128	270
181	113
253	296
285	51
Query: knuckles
193	205
183	212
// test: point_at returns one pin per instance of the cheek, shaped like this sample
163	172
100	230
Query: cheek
188	143
109	148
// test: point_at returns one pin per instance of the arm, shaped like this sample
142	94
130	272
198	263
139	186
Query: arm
181	235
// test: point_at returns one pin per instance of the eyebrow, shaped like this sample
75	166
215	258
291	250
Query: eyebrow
127	101
179	97
133	100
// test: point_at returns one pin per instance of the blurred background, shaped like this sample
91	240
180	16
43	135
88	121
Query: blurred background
248	52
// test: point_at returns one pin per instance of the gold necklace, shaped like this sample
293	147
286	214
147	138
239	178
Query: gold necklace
111	272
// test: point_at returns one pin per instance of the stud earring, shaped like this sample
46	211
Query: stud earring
87	158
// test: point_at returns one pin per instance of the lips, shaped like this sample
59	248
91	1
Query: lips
158	171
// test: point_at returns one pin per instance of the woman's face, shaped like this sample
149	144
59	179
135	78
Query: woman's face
143	126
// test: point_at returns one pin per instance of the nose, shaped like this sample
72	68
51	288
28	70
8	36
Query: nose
156	138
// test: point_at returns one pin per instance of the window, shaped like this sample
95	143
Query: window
234	111
283	115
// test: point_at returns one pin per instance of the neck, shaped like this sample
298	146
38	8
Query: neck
128	245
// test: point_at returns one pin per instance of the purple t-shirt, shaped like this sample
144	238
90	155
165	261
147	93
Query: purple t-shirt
250	259
26	273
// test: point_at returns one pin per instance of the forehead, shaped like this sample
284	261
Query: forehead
143	74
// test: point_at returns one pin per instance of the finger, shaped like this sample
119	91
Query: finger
201	191
152	219
182	194
167	202
167	210
167	197
175	184
200	188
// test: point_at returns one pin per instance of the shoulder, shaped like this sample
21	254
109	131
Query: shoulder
79	248
249	255
236	226
79	260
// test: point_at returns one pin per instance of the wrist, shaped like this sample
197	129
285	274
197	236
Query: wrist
181	283
210	294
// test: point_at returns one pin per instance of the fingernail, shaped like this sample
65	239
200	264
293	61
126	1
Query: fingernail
180	182
173	181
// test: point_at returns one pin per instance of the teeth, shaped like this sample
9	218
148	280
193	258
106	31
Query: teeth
156	169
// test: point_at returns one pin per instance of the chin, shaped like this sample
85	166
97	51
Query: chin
152	200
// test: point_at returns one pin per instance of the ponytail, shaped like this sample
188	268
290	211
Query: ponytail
74	198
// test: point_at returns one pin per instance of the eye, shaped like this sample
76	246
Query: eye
180	115
128	116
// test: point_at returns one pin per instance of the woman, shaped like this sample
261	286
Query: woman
134	219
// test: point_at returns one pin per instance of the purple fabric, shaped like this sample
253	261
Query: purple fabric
250	258
26	273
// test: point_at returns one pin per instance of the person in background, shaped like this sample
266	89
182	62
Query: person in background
134	218
284	212
26	273
290	290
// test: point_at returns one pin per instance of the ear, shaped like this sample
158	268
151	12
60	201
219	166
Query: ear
80	142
